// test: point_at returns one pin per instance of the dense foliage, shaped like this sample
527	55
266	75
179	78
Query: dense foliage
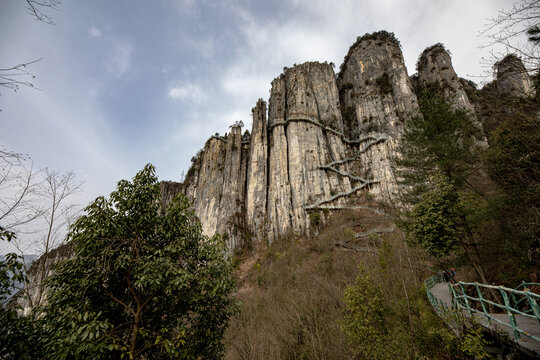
463	194
18	336
144	282
366	318
438	141
435	219
439	157
514	158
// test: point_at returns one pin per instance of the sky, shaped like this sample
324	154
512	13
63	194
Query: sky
124	83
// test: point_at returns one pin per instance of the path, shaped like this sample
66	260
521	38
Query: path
442	293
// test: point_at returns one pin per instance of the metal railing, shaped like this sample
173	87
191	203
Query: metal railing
448	314
436	303
471	298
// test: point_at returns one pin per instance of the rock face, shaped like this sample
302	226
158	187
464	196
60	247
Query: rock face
257	172
512	77
435	70
376	98
436	73
325	143
35	291
306	130
216	184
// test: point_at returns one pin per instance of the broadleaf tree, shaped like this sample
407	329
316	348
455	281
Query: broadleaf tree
19	337
144	282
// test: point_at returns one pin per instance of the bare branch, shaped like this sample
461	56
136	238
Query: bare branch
36	9
511	29
11	77
18	75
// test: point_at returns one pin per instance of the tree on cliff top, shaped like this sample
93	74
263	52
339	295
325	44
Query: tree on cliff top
142	284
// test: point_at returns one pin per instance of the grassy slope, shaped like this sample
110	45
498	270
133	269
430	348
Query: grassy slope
291	294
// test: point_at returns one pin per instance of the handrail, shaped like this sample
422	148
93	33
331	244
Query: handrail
446	313
470	298
429	284
526	306
525	286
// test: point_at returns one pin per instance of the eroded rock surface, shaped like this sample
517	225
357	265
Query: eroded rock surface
376	98
257	173
324	144
512	77
435	70
310	105
436	74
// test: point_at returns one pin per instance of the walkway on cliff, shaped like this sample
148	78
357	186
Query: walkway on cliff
516	313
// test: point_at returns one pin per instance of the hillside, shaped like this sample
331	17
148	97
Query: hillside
292	304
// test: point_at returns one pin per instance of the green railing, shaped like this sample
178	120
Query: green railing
436	303
447	313
521	303
472	298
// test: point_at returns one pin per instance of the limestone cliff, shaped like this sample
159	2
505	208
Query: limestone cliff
376	98
436	73
512	77
435	70
257	173
324	144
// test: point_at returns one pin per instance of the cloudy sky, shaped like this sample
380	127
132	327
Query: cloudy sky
124	83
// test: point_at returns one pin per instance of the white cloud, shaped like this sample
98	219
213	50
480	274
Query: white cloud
237	83
120	61
186	7
186	92
95	32
204	47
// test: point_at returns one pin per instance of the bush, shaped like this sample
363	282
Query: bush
383	82
364	322
315	219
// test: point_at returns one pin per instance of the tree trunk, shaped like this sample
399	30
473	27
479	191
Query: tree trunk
133	340
479	271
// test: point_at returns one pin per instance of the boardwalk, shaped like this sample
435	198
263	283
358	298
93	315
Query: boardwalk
442	293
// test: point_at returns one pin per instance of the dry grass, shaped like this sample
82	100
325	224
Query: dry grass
291	293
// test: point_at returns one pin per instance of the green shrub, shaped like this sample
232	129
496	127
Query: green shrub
364	322
315	218
383	82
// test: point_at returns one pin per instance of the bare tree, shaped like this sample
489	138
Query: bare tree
237	123
56	190
13	77
37	207
517	31
18	191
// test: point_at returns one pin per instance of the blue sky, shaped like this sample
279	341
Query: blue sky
124	83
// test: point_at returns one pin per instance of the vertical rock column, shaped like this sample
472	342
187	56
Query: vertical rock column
435	71
306	131
312	105
230	207
207	197
257	173
512	77
279	208
376	98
